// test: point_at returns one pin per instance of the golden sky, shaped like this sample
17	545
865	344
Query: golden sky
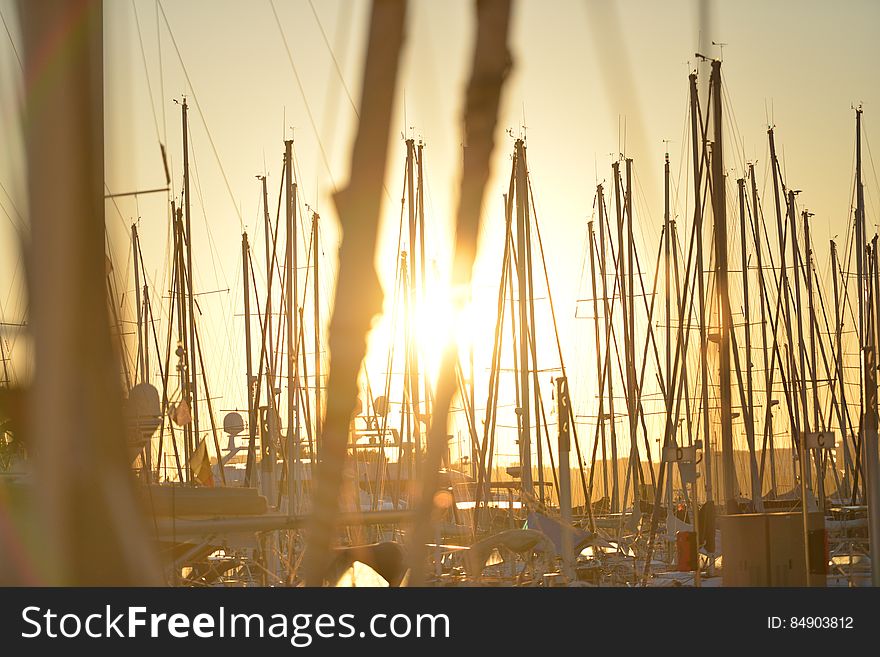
591	80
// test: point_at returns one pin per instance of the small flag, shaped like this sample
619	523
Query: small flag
200	465
181	414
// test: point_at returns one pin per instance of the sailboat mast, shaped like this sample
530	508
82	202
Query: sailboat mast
270	253
799	347
719	214
193	386
182	316
608	304
142	366
252	416
697	146
818	421
669	439
292	441
632	381
838	353
412	343
600	419
749	413
768	377
525	446
861	242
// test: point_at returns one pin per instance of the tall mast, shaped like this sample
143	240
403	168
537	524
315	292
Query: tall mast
193	389
252	415
861	241
182	316
748	414
270	256
141	340
697	146
818	423
291	321
624	303
142	365
608	305
719	214
768	380
784	292
799	347
525	446
412	345
630	339
591	238
838	349
669	439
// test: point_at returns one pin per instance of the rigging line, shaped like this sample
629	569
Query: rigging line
162	83
215	257
125	225
18	228
137	23
12	42
870	155
335	61
303	94
302	215
12	203
202	116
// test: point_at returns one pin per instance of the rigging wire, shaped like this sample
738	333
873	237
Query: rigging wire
201	115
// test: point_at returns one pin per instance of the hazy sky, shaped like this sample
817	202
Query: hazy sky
590	80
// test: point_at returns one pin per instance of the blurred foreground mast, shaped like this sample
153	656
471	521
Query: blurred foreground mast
88	509
491	64
358	293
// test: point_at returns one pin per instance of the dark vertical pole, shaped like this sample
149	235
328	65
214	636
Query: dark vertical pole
630	339
749	415
719	214
669	438
838	348
292	441
270	268
697	145
142	366
86	510
624	306
564	417
802	379
600	418
768	379
861	242
193	386
252	415
784	291
525	446
412	343
818	422
182	322
607	308
860	292
145	310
